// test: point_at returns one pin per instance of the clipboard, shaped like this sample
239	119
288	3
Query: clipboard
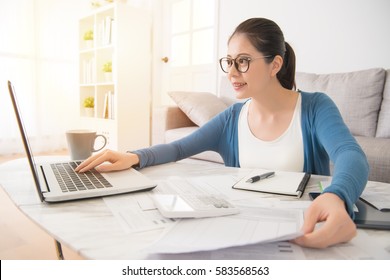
283	183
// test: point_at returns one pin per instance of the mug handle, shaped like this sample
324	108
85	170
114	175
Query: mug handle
104	144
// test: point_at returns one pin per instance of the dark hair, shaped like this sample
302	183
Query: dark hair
267	37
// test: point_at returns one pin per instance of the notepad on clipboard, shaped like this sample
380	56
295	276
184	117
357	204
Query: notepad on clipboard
284	183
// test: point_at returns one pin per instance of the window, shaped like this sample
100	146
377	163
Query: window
38	53
192	30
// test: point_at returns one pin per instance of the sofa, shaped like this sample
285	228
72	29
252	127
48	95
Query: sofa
363	98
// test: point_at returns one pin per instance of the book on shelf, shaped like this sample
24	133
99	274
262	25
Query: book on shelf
105	30
88	71
108	107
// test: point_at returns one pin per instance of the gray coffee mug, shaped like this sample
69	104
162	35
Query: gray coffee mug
81	143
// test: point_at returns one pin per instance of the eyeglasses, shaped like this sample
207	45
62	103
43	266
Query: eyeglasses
241	63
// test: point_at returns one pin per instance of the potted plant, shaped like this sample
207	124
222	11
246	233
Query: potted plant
88	38
107	69
89	105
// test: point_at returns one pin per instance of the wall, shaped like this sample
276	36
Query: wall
327	35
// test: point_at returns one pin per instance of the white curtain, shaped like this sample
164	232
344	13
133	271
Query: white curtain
38	53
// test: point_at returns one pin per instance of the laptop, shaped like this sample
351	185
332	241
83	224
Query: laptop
56	182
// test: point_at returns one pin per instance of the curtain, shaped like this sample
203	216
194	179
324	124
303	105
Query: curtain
38	54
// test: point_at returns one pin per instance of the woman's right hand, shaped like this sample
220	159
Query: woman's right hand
109	160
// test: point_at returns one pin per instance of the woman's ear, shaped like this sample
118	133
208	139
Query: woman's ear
277	64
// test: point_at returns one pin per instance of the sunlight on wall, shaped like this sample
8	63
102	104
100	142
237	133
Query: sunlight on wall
39	55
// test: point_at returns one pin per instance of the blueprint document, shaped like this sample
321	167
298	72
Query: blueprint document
253	225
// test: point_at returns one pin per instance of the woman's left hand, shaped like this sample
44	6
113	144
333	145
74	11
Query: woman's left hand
338	226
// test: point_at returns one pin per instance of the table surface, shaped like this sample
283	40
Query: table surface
91	229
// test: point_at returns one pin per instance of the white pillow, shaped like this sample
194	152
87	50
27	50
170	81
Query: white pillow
200	107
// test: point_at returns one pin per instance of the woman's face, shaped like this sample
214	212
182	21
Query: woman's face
258	76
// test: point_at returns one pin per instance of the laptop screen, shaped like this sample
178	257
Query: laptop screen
26	144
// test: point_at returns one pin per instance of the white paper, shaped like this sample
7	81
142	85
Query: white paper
273	203
252	225
136	212
361	247
380	200
211	185
269	251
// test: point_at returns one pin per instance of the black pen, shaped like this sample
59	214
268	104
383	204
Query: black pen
261	177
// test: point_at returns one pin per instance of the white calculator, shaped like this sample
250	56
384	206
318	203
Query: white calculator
193	206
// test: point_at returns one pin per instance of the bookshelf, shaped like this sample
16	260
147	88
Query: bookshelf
122	42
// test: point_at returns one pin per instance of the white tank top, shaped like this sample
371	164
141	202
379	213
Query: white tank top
284	153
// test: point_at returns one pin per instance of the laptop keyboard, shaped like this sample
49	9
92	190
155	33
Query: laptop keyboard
72	181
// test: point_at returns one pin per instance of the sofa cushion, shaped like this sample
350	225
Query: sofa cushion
358	95
383	129
165	118
378	156
200	107
178	133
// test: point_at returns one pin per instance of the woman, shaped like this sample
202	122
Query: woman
277	128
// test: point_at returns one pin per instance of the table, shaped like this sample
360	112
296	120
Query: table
90	228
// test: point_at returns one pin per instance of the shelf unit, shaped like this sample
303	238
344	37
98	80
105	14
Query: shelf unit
122	36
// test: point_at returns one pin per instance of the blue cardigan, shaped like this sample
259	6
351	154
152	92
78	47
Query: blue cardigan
325	137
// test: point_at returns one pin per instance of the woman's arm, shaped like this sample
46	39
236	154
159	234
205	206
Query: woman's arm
206	138
351	167
334	208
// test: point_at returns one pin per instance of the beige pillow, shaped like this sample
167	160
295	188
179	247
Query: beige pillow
383	129
200	107
358	95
